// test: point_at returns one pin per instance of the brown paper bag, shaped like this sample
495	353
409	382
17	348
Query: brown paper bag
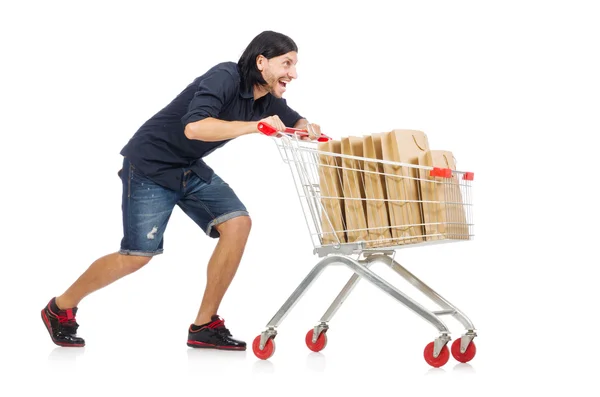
443	207
330	183
379	234
354	193
406	219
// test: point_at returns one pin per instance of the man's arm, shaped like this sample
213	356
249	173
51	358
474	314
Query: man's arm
215	89
212	130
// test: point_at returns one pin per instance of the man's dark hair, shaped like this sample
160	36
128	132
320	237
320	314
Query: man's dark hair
268	44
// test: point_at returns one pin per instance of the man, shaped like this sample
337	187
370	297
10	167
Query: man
163	167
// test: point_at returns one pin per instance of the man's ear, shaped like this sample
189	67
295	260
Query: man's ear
260	62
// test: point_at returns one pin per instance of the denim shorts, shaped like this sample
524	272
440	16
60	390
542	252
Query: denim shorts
147	208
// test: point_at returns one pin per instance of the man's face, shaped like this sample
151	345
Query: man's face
278	72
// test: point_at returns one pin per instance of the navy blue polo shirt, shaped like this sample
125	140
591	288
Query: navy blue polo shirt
160	149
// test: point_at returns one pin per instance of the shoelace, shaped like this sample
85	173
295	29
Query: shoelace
219	326
224	331
66	318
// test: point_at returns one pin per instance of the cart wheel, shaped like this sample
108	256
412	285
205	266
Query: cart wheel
319	344
265	353
438	361
467	355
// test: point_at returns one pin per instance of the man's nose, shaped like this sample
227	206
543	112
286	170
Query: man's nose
292	73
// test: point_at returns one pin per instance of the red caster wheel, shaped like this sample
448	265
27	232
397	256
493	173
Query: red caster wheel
265	353
467	355
438	361
319	344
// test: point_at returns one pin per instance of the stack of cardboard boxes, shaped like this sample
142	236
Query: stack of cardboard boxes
388	204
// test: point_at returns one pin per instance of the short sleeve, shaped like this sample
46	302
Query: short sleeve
213	91
288	115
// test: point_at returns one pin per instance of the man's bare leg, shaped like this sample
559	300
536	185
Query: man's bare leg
223	265
101	273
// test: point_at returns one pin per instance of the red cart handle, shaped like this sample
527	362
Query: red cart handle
270	130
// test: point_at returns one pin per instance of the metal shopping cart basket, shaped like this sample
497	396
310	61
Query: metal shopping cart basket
359	211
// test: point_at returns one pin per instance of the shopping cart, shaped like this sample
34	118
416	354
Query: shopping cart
332	188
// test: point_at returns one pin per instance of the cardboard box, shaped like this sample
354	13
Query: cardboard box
379	234
443	206
353	187
330	184
406	220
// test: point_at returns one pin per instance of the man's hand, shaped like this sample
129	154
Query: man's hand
274	121
314	131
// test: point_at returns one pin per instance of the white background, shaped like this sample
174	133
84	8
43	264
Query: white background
511	87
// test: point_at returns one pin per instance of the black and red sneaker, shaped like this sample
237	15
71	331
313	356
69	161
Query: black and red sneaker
213	335
61	325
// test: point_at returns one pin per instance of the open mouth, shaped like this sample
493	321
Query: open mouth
283	84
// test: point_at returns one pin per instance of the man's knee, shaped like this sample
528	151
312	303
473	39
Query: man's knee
238	226
134	262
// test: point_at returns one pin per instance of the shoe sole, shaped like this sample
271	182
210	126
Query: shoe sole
201	345
49	328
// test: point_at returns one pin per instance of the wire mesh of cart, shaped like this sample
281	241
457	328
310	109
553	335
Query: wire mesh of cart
359	211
